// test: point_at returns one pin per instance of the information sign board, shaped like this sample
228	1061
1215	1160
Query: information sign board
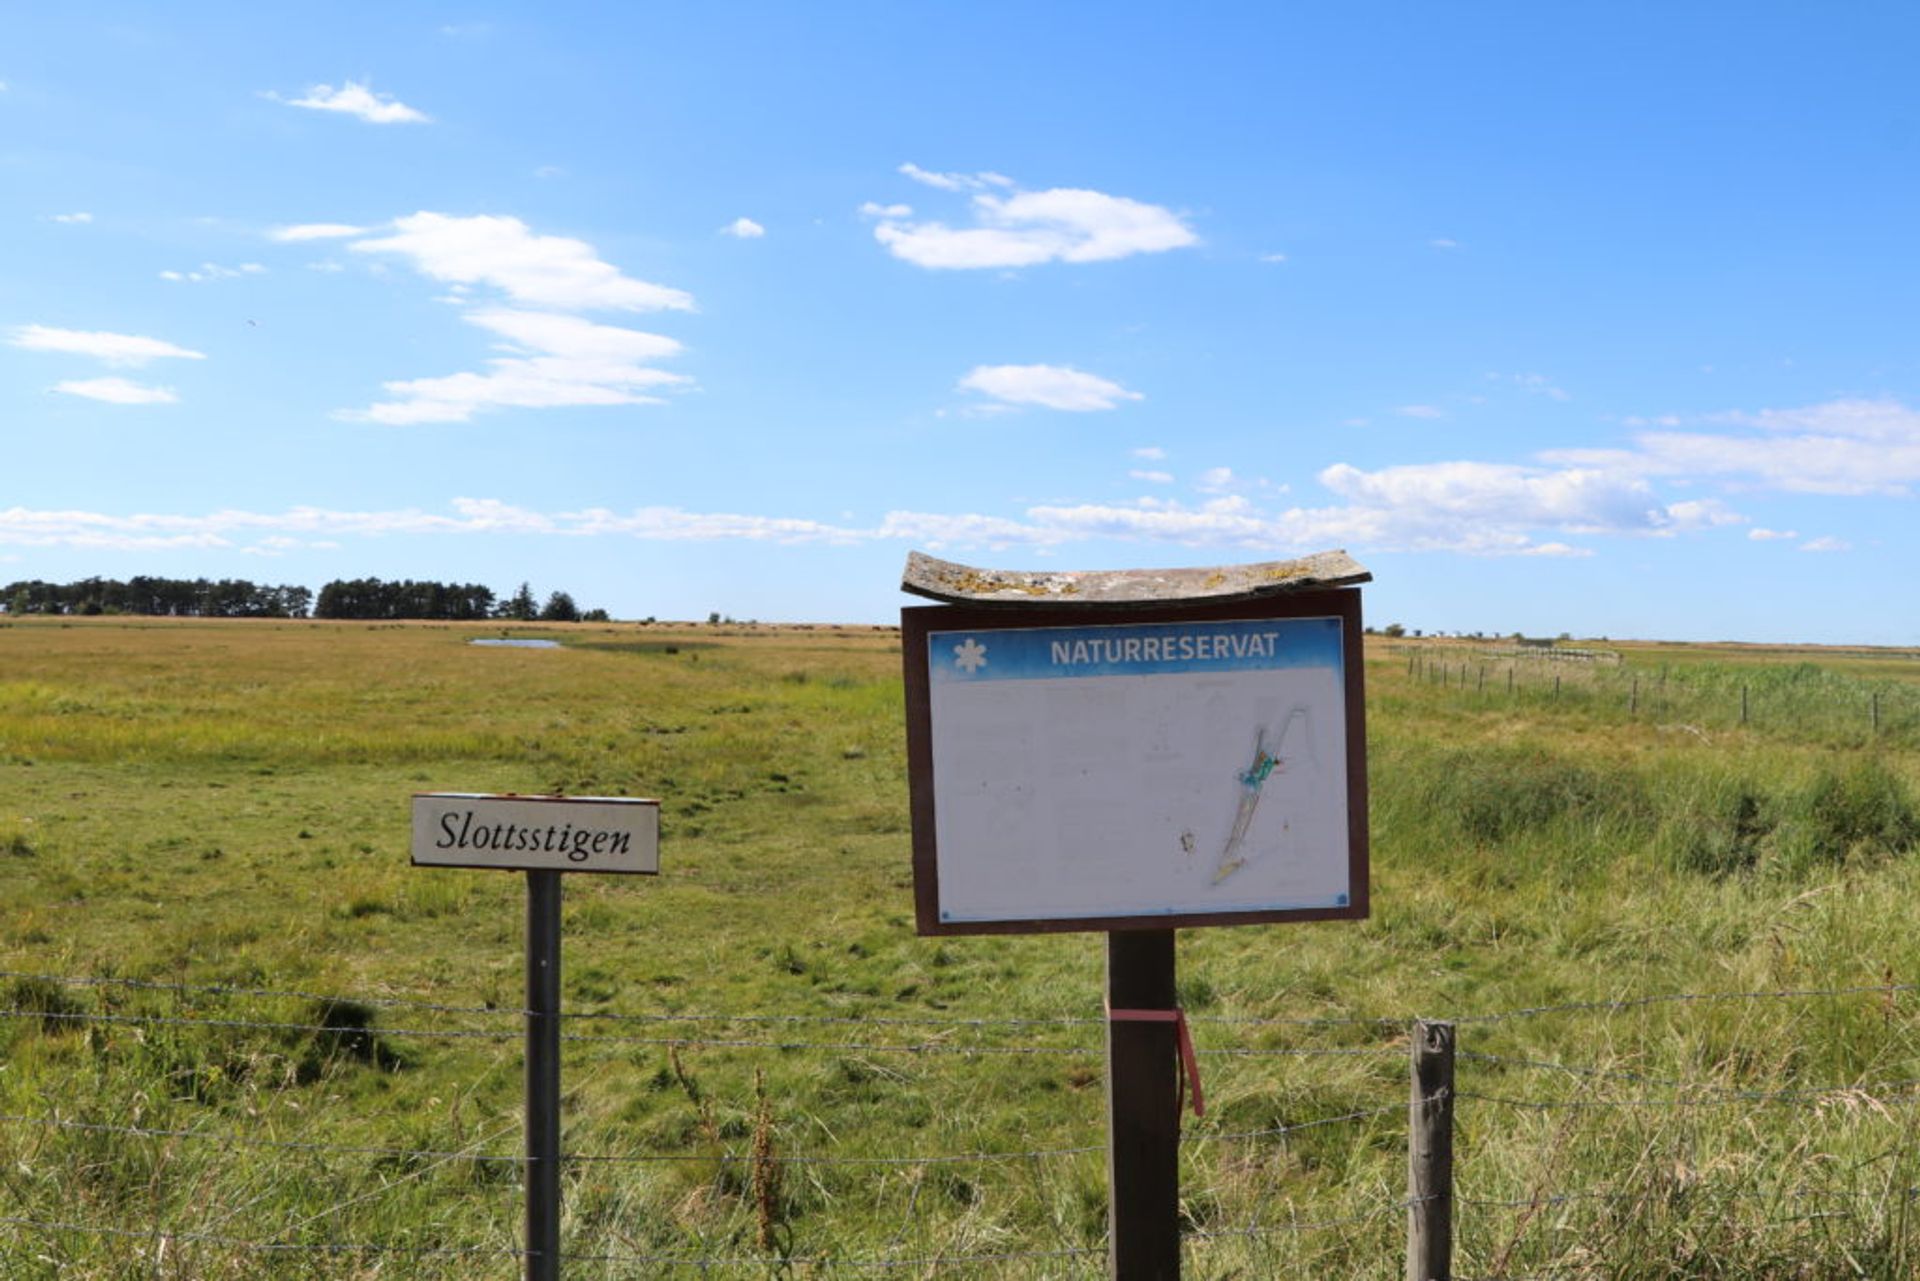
1137	768
532	833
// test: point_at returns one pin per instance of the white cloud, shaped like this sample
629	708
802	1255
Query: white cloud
117	391
1850	447
355	99
955	181
1050	386
114	349
1215	479
1152	477
744	229
1826	543
1273	258
1025	228
1421	411
1441	242
75	218
1759	535
545	271
1701	513
213	271
1443	500
554	361
316	231
1152	453
873	209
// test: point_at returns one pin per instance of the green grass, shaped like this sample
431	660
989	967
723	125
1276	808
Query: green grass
224	805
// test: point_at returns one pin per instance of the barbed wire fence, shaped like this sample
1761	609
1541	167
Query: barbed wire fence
1533	1229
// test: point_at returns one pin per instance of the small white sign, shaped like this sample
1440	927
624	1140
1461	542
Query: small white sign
554	833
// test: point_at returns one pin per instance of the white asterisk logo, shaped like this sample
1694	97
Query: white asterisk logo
970	657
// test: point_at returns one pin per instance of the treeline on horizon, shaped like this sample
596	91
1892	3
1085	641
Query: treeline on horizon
364	598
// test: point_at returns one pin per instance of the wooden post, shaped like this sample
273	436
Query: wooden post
1481	688
1874	705
1633	699
1430	1154
1509	682
1743	704
1143	1111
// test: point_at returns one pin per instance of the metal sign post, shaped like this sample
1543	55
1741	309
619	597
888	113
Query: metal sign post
1135	752
543	1075
545	836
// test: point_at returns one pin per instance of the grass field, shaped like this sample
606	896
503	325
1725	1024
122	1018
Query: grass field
243	1037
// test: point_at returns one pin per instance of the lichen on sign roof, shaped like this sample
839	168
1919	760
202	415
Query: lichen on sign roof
958	584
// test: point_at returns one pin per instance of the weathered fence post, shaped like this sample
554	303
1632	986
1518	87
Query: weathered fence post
1743	704
1633	699
1430	1154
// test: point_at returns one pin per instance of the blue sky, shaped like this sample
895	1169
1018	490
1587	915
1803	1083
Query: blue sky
1591	319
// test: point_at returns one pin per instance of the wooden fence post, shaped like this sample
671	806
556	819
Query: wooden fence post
1430	1154
1743	704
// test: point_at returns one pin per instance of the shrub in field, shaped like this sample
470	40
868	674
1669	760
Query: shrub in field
57	1008
1725	828
1495	794
1860	808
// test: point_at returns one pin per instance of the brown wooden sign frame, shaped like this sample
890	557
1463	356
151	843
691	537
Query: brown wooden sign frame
916	623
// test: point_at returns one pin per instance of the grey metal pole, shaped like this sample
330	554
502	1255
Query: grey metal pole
1143	1111
543	1075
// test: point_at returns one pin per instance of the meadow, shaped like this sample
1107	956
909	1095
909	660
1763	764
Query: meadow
1668	900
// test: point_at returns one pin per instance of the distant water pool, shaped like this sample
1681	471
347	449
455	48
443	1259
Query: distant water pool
515	642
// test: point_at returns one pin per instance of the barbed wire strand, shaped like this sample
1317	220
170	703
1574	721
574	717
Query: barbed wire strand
1671	998
577	1158
502	1011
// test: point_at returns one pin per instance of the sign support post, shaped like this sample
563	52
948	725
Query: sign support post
543	1075
544	836
1143	1110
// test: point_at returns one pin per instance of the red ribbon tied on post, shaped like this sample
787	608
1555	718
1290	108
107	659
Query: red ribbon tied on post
1190	1064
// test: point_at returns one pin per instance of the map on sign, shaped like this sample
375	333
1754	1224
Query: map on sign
1140	769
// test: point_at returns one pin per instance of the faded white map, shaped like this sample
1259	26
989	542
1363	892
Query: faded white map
1141	794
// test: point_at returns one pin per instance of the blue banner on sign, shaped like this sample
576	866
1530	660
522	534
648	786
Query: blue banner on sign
1132	649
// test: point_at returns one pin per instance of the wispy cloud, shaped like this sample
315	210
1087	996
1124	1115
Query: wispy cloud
551	357
1152	477
114	349
1016	228
554	361
1152	453
79	218
1826	543
743	229
1760	535
1421	411
357	100
1049	386
316	231
503	252
213	271
1442	242
1845	447
117	391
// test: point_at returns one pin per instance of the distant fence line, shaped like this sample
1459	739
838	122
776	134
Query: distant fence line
1426	1109
1796	700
